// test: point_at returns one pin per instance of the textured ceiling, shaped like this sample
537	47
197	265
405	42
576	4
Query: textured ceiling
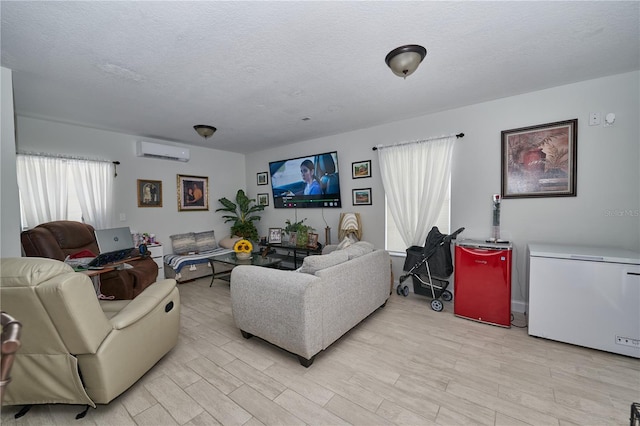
254	70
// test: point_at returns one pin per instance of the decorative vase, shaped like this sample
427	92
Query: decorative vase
243	255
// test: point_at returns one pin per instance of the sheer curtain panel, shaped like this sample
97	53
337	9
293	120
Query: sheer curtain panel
416	178
42	196
93	182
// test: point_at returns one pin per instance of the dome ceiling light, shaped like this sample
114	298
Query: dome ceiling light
204	130
404	60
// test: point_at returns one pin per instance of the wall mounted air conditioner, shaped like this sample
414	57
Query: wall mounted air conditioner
166	152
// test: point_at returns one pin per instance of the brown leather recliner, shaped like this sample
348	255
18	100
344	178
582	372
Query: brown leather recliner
59	239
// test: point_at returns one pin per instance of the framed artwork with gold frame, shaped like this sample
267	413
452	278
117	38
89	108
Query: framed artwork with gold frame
193	193
149	193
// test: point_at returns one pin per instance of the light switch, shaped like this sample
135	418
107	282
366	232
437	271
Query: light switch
123	217
594	119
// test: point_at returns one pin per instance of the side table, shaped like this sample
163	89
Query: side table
157	254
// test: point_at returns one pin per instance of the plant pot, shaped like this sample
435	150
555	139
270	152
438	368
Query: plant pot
303	239
243	255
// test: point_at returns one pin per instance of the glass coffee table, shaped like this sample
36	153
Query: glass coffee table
231	261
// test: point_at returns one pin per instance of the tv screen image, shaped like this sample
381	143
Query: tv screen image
308	181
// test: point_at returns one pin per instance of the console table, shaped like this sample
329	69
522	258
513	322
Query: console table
291	253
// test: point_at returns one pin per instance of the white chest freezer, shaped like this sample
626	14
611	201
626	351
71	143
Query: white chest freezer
587	296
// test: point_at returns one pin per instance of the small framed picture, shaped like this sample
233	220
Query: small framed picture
361	197
262	178
193	193
312	241
275	235
293	238
149	193
361	169
263	199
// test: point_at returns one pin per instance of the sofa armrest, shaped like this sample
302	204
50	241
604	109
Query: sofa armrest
282	307
143	304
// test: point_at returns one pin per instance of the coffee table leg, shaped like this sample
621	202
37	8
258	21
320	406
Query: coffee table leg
213	272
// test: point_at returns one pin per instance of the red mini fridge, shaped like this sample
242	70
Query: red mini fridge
482	282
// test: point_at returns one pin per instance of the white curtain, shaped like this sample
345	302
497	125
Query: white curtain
42	197
46	184
93	181
416	178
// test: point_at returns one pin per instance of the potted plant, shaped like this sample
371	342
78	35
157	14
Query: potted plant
300	229
242	214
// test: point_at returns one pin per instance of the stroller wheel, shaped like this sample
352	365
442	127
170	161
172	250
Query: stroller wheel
436	305
405	290
399	290
446	296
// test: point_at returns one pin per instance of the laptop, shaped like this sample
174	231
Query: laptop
115	244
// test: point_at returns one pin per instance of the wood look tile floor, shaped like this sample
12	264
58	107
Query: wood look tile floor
404	365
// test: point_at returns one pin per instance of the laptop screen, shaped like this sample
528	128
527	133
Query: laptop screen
114	239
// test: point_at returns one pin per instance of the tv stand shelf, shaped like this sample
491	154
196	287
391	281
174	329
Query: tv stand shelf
292	256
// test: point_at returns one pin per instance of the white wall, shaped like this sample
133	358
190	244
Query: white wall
220	167
9	209
604	212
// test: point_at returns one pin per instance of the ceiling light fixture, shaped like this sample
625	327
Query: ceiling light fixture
205	131
404	60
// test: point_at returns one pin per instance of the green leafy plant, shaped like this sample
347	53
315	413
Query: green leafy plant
243	215
297	227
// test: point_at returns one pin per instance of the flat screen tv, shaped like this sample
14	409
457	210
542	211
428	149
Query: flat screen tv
309	181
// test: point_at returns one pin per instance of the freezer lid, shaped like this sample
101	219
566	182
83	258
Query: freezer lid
589	253
483	245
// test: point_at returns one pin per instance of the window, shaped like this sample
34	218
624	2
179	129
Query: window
64	189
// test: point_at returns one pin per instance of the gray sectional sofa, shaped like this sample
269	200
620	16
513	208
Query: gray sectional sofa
305	311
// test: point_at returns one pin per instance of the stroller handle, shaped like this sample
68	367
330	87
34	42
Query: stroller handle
454	235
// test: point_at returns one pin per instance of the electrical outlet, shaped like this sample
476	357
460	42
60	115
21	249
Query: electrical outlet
594	119
628	341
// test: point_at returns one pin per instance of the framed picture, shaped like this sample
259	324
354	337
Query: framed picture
361	197
262	178
263	199
293	238
275	235
540	161
149	193
361	169
312	240
193	193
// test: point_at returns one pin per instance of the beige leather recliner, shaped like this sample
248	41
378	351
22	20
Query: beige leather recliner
76	349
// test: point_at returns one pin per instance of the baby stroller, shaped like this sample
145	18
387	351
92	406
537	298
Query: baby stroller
430	266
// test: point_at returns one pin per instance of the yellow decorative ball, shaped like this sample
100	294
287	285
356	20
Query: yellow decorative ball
243	246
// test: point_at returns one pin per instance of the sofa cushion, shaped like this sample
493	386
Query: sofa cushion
358	249
312	264
184	243
205	241
229	242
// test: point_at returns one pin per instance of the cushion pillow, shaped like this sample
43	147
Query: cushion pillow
205	241
229	242
184	243
358	249
312	264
